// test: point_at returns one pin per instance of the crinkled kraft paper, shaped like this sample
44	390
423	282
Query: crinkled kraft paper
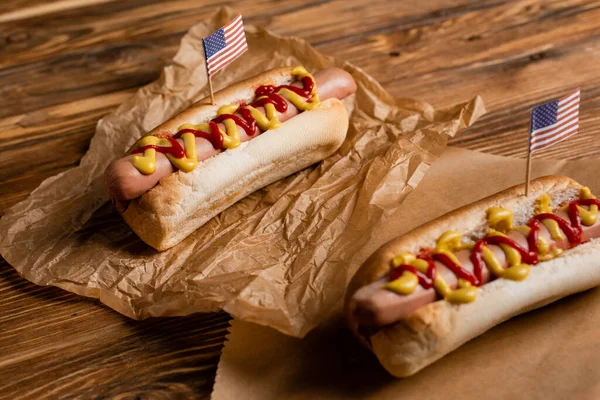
282	256
550	353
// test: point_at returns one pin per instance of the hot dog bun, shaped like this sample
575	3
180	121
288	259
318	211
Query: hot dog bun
182	202
438	328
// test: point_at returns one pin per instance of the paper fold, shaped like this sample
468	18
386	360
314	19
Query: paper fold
280	257
547	353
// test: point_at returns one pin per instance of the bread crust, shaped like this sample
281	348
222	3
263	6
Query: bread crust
203	111
182	202
438	328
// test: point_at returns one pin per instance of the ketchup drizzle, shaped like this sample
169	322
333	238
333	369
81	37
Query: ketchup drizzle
459	271
214	136
175	150
425	280
588	202
476	257
527	255
273	98
245	121
572	229
534	232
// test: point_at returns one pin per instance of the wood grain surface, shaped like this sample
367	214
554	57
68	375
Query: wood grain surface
65	64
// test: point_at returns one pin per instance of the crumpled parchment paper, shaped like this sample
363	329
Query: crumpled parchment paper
282	256
549	353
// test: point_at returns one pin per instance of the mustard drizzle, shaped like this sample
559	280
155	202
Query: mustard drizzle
146	163
500	221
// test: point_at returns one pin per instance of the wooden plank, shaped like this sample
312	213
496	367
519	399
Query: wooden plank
18	10
78	53
27	83
514	66
66	64
530	52
43	143
55	343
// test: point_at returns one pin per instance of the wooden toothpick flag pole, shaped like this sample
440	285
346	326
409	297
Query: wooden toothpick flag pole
528	173
212	93
551	123
223	47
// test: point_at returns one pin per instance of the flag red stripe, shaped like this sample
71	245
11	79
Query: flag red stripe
241	35
215	68
557	129
566	117
556	134
576	92
556	125
234	54
563	113
227	50
235	45
566	125
234	32
233	27
230	43
568	105
219	67
555	140
238	18
226	55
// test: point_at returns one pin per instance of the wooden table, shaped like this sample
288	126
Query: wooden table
65	64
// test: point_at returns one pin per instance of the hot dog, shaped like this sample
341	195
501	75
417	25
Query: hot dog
424	294
193	166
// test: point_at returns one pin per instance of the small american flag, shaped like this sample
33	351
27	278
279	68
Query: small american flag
554	122
225	45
